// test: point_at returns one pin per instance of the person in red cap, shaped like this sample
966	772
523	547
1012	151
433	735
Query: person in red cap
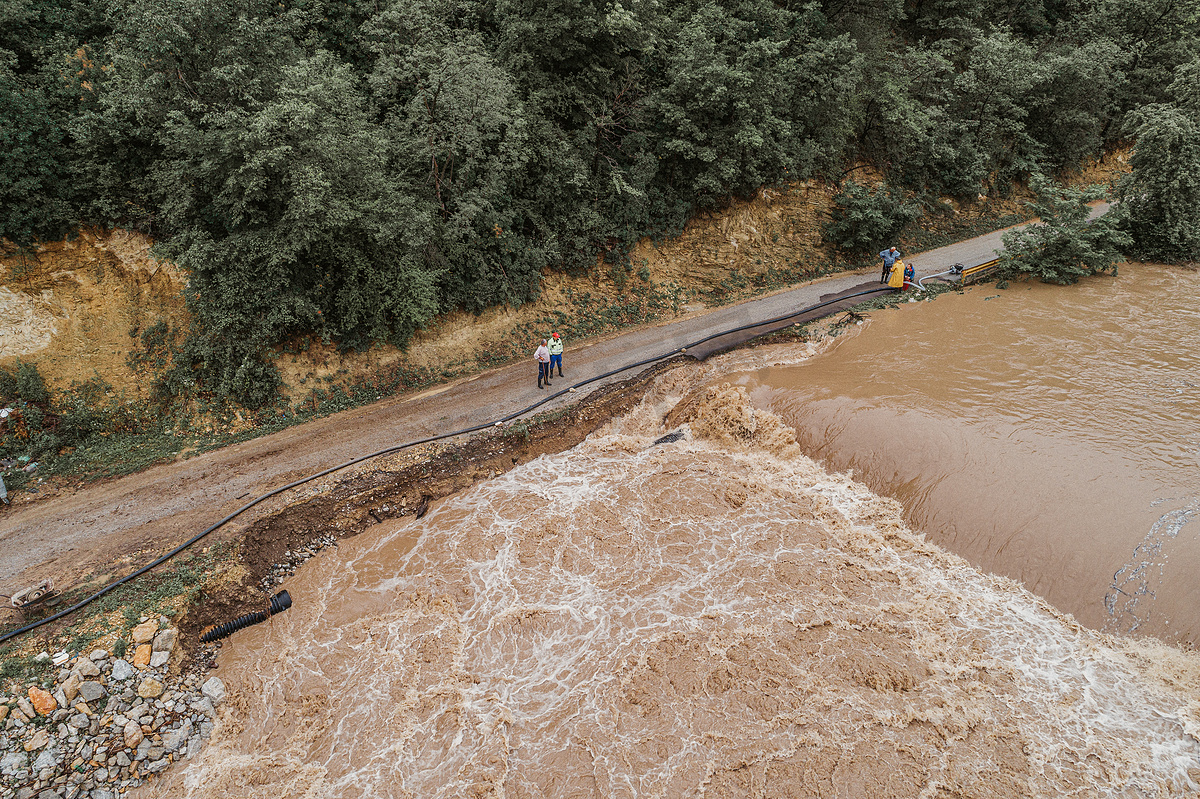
556	350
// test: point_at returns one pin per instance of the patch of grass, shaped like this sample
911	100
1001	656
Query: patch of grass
177	583
16	667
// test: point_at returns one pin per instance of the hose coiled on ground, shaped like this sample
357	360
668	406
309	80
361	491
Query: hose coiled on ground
279	603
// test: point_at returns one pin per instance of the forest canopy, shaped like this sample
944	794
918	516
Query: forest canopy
350	169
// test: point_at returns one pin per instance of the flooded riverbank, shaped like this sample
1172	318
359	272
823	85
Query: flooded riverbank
713	616
1045	433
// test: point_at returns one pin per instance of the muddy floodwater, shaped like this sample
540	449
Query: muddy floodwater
1047	433
721	615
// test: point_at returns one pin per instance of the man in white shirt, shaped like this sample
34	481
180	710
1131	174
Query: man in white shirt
542	356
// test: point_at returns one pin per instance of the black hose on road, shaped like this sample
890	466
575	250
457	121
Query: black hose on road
388	450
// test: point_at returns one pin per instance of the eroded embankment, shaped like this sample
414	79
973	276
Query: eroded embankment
711	616
94	752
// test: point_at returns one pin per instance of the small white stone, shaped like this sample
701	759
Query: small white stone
214	689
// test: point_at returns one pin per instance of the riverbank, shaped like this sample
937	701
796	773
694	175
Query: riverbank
682	604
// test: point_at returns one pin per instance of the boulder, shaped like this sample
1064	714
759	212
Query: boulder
70	686
91	691
13	761
43	702
165	640
86	668
121	670
177	738
37	741
150	688
159	659
141	657
145	631
47	759
157	766
214	689
133	734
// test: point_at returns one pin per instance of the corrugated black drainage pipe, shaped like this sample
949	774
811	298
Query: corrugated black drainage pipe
279	603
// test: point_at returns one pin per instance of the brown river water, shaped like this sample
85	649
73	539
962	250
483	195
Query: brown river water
1049	434
723	616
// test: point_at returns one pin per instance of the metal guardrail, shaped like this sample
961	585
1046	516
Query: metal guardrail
972	273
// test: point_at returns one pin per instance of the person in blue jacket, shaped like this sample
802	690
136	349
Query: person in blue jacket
889	257
910	275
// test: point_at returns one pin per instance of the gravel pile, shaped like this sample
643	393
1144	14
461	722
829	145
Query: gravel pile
106	724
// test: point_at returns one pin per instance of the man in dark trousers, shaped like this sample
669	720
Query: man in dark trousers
556	350
889	257
542	356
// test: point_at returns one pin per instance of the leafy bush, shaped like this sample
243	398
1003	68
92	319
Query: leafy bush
30	385
8	385
1064	246
865	218
1160	198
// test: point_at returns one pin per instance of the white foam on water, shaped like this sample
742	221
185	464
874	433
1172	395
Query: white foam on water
711	617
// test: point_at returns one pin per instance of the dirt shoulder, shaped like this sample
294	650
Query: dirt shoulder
108	528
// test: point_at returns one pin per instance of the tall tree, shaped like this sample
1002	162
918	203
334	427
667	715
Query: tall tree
1161	196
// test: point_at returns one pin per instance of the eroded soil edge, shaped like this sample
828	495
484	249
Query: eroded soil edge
387	493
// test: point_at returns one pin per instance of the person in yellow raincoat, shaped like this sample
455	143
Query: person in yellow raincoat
896	279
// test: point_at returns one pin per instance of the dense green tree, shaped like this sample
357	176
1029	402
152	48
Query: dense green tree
864	217
457	138
1161	196
1064	244
750	93
34	179
348	169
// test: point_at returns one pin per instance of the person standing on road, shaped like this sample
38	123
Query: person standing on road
896	279
556	350
889	256
542	356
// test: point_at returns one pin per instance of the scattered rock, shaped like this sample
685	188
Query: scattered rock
133	734
159	659
214	689
144	632
70	686
91	691
165	640
141	656
177	738
121	670
13	761
47	759
86	668
43	702
150	688
39	739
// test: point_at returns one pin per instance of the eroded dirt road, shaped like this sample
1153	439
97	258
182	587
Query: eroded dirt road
106	529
